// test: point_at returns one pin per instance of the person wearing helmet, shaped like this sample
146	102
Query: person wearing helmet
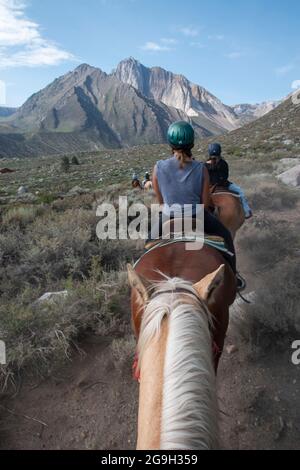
147	179
219	175
182	180
135	181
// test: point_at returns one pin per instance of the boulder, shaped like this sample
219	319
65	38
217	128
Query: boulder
22	190
291	177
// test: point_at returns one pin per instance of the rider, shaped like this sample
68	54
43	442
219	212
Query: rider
135	181
219	173
147	179
182	180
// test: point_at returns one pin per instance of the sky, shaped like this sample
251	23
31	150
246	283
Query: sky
243	51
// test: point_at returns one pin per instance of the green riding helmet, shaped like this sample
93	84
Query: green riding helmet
181	135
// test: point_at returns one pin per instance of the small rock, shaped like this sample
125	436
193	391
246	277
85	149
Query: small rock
51	296
231	349
22	190
78	191
27	197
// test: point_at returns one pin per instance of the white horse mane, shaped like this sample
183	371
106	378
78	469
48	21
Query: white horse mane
189	409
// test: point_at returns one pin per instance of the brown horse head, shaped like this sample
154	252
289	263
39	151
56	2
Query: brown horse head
229	209
175	261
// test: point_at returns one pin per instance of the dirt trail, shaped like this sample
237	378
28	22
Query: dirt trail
92	405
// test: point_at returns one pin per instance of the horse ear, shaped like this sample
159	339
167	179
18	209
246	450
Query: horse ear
141	285
207	287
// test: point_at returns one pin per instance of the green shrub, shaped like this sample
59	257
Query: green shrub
75	161
65	164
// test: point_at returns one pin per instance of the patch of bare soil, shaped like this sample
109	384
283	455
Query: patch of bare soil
88	405
92	405
260	401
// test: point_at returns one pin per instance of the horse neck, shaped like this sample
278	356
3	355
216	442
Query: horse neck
177	408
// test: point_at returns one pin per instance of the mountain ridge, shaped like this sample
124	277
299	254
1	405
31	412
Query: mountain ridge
133	105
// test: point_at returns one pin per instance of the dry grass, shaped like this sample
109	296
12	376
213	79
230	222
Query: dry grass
272	321
272	196
52	249
123	352
21	216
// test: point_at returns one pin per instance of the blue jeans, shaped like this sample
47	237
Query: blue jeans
234	187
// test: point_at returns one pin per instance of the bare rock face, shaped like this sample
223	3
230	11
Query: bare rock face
291	177
90	110
177	91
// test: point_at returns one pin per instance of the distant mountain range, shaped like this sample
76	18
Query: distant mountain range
6	112
88	110
275	133
250	112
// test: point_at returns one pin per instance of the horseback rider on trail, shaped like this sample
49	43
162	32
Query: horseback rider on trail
182	180
147	183
135	182
219	173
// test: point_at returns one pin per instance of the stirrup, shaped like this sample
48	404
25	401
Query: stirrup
241	283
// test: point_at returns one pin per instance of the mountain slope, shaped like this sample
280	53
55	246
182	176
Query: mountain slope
6	112
276	133
250	112
176	91
88	107
92	109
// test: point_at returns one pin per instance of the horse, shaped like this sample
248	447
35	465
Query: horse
148	185
136	184
180	311
228	208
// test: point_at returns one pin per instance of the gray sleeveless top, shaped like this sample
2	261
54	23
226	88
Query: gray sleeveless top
180	185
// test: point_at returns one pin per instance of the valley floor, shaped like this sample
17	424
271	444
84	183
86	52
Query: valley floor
92	401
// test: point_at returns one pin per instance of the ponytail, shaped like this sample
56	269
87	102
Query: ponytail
183	156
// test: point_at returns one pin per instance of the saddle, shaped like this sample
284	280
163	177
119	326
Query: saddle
172	233
224	190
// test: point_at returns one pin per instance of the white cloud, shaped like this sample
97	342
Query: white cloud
234	55
2	93
189	31
21	42
155	47
285	69
217	37
296	84
169	41
199	45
